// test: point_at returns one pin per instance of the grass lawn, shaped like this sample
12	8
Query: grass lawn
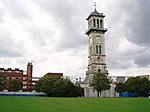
47	104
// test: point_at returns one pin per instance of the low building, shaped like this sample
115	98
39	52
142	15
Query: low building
53	74
24	76
28	81
117	79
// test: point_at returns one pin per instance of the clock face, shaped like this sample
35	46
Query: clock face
98	39
99	59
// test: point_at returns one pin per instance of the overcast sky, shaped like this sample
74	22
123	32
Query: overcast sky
51	33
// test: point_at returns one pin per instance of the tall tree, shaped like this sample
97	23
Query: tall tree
138	85
80	90
46	84
145	85
120	87
2	79
99	83
15	85
38	85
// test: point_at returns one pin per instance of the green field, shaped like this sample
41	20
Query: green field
47	104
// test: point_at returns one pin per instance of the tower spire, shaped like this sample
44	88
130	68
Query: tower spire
95	7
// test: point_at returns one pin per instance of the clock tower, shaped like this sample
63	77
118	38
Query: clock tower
96	50
96	45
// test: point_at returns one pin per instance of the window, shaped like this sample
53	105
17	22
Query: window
94	22
24	87
101	23
9	71
99	70
97	23
24	82
24	78
33	83
98	49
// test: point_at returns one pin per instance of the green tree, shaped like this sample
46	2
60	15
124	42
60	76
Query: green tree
138	85
15	85
38	85
120	87
46	84
63	87
80	90
145	85
2	79
55	86
71	90
99	83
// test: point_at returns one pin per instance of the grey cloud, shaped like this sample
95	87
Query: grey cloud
138	23
8	46
40	36
17	8
1	19
138	30
143	59
68	17
129	19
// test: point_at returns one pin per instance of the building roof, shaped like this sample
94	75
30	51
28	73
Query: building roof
96	14
53	74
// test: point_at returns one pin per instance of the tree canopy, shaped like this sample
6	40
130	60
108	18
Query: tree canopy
56	86
15	84
138	85
2	79
100	82
120	87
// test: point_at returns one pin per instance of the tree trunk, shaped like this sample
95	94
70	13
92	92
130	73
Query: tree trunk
97	93
100	94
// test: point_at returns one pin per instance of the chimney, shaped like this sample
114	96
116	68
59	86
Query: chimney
29	69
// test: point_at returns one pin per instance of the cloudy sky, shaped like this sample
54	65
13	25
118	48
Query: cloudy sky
51	33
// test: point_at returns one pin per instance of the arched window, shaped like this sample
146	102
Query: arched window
101	23
99	70
94	22
99	49
96	49
97	23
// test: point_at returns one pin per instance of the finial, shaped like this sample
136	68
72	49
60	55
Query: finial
95	6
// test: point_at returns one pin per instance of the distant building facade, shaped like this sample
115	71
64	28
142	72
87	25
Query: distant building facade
28	81
24	76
